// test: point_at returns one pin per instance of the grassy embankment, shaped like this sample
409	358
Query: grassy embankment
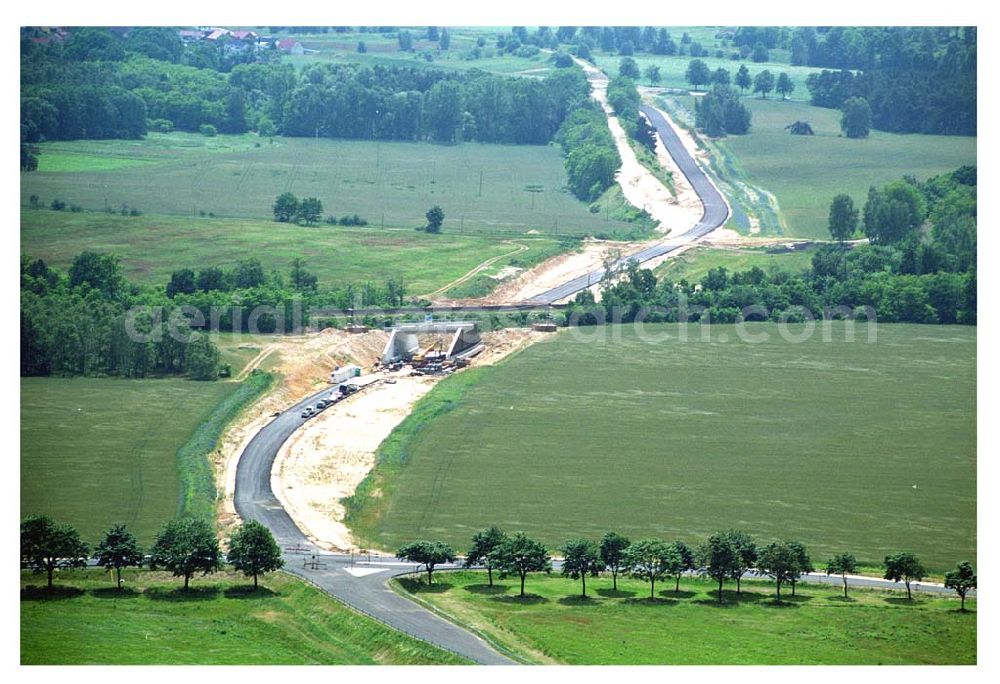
847	446
818	626
220	621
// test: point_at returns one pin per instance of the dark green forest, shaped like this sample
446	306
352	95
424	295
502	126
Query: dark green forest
96	84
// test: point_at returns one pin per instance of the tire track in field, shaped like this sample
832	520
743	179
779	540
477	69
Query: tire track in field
478	269
255	362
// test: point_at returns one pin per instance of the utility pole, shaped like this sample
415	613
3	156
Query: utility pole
480	182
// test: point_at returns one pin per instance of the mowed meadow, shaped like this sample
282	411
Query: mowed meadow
220	621
99	451
867	447
554	624
151	247
483	189
805	172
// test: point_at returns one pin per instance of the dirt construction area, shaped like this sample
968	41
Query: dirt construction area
330	455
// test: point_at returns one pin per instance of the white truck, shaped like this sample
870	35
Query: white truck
343	373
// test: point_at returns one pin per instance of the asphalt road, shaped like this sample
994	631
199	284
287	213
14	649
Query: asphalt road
359	584
715	213
360	581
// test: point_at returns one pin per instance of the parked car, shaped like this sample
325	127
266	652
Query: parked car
308	412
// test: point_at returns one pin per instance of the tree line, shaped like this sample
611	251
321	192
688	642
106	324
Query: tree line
183	547
91	321
724	556
106	91
919	267
590	155
80	323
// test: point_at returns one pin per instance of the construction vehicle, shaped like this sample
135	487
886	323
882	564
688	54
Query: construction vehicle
432	354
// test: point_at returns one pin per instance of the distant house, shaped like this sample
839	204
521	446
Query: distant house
217	33
291	46
244	35
189	36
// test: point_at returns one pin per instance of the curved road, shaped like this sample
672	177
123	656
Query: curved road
714	214
360	582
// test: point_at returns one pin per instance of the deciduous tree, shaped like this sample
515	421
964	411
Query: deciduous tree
47	545
802	559
483	544
286	207
856	117
763	83
697	73
435	217
743	80
686	556
629	68
613	547
653	74
719	559
841	564
784	85
186	546
253	550
119	549
309	211
427	553
843	218
961	579
904	567
519	555
581	557
746	548
650	560
779	560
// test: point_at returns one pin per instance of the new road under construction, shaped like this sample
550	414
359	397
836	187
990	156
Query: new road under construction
427	348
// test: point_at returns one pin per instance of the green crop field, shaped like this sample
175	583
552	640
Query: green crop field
98	451
867	447
490	189
694	264
86	621
806	172
383	48
153	246
554	624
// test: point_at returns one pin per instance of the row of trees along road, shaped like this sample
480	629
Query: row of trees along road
724	556
184	547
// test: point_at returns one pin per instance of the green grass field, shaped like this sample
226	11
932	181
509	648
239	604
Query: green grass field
219	622
385	182
848	446
96	451
554	624
694	264
673	70
153	246
806	172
